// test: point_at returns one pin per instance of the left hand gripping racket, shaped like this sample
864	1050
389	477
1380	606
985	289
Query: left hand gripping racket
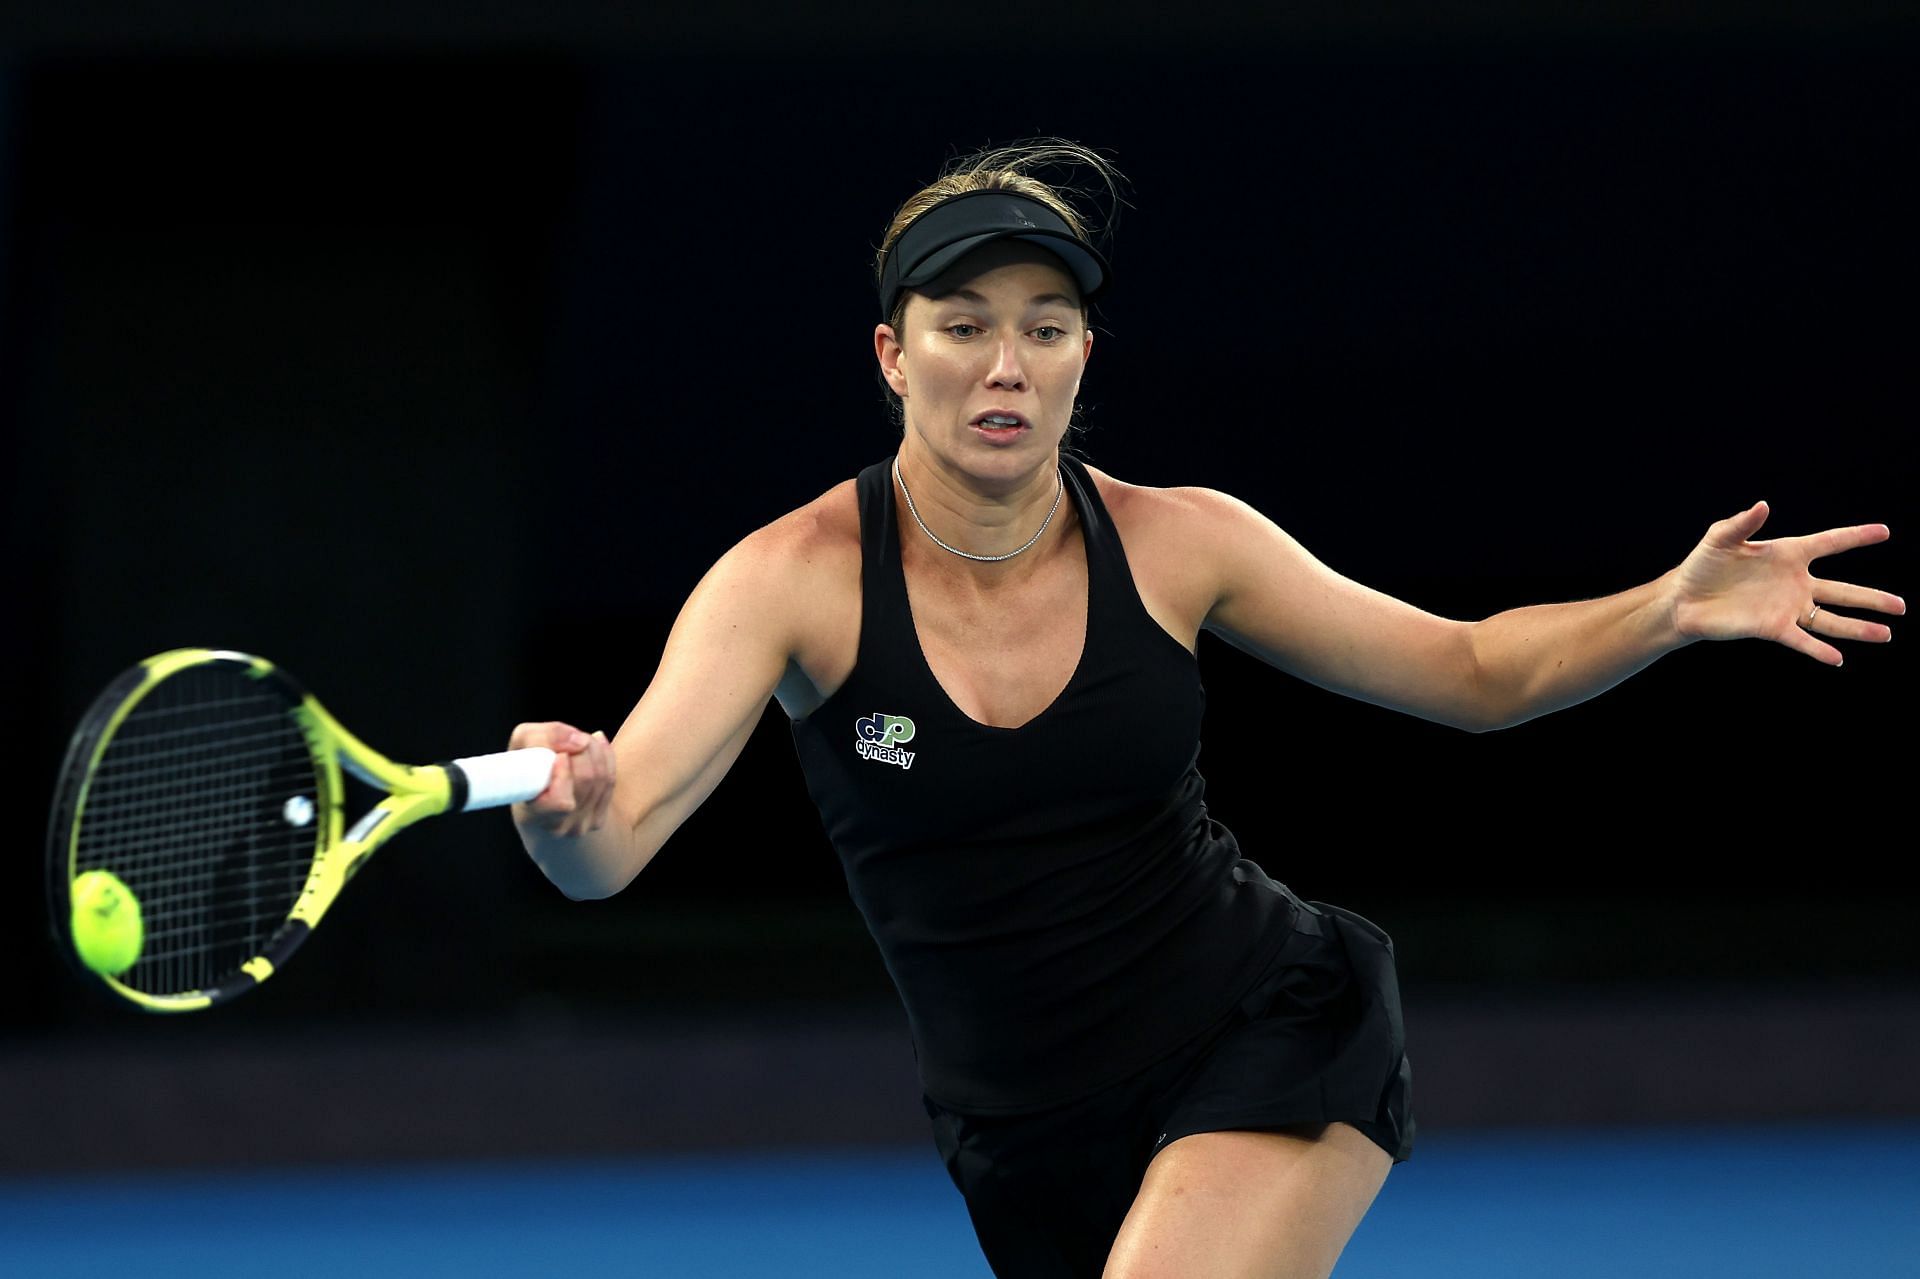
210	784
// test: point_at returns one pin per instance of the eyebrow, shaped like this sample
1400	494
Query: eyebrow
1042	299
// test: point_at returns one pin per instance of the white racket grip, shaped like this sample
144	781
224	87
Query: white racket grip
507	777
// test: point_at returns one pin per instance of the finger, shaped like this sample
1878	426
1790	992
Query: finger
525	735
1840	626
558	797
1736	529
1835	540
589	783
552	734
592	782
1847	595
1801	640
610	771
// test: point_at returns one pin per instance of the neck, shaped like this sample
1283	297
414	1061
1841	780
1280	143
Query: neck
986	516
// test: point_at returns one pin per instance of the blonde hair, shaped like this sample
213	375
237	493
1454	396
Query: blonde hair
1005	168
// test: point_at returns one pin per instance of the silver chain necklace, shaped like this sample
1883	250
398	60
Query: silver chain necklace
1060	488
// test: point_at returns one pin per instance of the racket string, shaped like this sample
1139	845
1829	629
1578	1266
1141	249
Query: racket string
188	805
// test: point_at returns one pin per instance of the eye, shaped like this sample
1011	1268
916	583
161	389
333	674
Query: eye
1049	333
969	330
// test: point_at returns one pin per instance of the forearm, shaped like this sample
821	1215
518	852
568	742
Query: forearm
586	859
1531	661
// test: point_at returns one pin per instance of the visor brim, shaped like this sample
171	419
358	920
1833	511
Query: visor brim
1089	272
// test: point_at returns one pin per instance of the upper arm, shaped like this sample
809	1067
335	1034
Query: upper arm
1272	598
727	652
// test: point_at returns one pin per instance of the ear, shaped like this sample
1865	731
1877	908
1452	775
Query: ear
1086	353
886	349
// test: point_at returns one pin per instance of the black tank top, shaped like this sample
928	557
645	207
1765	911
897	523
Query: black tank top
1052	901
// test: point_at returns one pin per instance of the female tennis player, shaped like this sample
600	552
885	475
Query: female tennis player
1141	1055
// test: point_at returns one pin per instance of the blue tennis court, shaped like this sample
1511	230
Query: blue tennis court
1755	1203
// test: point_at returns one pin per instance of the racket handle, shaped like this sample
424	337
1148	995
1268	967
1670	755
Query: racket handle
507	777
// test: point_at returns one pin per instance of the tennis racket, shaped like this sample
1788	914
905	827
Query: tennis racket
209	783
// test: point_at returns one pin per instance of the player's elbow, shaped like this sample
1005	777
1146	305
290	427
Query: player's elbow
591	887
1468	717
576	884
584	890
591	866
1487	703
1496	716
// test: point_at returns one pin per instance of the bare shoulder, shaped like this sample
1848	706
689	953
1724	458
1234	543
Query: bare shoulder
801	575
819	534
1179	514
804	549
1177	541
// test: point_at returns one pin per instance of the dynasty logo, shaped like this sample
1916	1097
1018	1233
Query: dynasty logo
880	737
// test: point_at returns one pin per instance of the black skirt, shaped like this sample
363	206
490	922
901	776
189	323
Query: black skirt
1318	1039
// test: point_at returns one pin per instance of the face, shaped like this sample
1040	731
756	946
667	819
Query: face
989	360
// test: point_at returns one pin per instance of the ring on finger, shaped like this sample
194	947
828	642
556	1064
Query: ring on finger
1808	619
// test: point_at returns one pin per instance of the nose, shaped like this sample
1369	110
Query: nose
1006	373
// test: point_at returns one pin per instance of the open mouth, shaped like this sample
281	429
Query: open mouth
1000	426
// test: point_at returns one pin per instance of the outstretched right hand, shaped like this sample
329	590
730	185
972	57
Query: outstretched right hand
578	797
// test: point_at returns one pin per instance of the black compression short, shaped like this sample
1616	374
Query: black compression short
1317	1040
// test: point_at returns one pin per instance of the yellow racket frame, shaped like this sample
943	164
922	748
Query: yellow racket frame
413	794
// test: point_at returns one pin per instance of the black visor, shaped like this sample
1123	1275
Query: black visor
958	225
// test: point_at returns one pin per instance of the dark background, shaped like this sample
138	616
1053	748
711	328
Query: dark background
436	357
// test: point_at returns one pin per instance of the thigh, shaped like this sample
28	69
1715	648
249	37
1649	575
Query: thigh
1250	1205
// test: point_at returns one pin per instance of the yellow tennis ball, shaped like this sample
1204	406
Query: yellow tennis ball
106	923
